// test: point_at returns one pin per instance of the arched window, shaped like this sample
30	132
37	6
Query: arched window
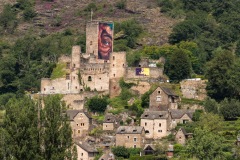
89	78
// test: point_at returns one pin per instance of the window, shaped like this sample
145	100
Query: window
68	65
74	65
67	76
134	146
44	89
159	130
135	139
128	137
113	65
147	132
90	42
160	124
113	75
113	58
79	131
89	78
75	87
81	154
106	126
159	98
145	123
123	65
159	92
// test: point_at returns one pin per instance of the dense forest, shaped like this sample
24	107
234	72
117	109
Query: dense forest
205	43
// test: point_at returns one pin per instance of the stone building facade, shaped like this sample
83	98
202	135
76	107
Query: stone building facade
85	151
156	124
130	136
163	98
80	122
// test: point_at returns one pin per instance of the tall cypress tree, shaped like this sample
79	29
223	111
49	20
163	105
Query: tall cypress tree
57	140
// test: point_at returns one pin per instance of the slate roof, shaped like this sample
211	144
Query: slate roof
109	119
178	113
72	113
87	147
130	130
183	130
168	91
155	115
150	145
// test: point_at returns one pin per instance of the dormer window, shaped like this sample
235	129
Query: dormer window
146	115
160	115
134	130
122	130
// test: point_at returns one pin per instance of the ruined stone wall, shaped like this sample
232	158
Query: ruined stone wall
194	89
98	81
114	87
154	73
56	86
142	86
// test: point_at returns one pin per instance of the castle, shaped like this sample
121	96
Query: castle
91	72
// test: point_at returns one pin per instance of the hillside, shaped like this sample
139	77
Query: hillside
59	15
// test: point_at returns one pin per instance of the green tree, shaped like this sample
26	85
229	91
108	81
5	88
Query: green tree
97	104
211	106
205	145
178	66
230	109
8	18
22	140
223	76
120	151
56	131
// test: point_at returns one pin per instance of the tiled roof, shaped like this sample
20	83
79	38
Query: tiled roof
130	130
178	113
72	113
154	115
87	147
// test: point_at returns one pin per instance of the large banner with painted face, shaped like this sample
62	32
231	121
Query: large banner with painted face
142	71
105	40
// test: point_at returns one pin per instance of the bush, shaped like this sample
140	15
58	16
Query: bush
121	4
97	104
120	151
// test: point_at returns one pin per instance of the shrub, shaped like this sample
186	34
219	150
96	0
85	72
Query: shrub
121	4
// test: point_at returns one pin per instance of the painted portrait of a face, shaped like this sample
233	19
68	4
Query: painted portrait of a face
105	40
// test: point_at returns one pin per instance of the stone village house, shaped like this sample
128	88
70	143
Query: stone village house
110	122
80	122
181	116
182	136
130	136
155	123
162	99
85	151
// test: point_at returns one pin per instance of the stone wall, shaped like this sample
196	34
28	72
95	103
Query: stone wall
142	86
194	89
155	72
117	65
92	37
114	87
